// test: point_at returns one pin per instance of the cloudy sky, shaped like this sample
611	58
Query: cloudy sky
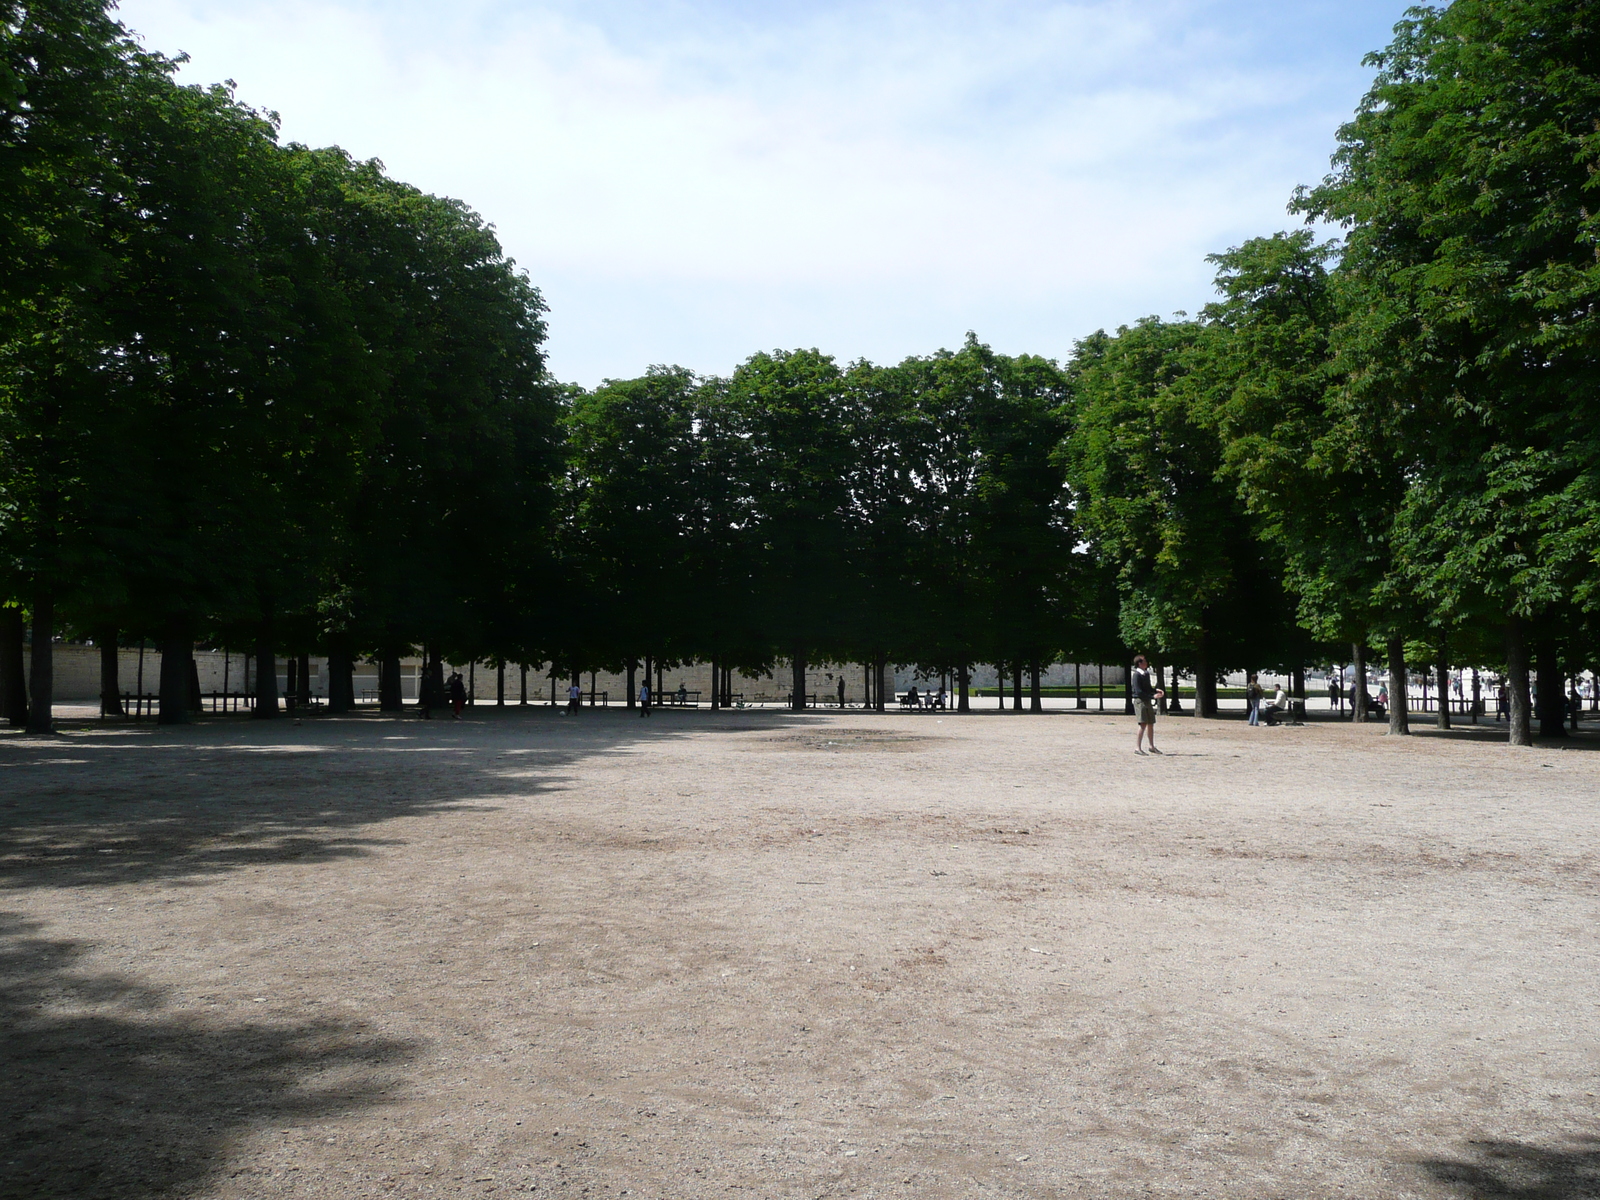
689	181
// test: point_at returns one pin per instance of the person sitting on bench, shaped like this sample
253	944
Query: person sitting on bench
1274	713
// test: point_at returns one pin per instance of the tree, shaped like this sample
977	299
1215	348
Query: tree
1466	185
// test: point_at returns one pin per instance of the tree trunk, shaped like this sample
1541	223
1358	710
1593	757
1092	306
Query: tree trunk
177	653
881	699
1205	678
524	669
305	681
797	677
1521	724
391	696
963	688
1399	708
1161	686
716	684
341	676
110	685
500	686
41	664
1552	699
433	695
291	683
266	676
1443	667
1035	696
13	675
1358	693
633	684
1297	685
197	702
1127	691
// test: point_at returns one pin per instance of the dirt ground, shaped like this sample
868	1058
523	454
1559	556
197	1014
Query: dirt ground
796	956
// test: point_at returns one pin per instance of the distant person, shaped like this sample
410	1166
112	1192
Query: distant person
1278	708
841	691
1253	695
458	695
425	696
574	696
683	694
942	700
644	699
1146	696
913	698
1334	694
1502	702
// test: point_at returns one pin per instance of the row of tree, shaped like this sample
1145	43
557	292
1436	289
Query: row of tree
250	392
266	396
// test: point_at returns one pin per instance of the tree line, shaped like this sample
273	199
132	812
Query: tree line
264	396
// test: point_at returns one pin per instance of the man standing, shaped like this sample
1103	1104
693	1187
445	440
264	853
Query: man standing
574	696
1146	695
644	697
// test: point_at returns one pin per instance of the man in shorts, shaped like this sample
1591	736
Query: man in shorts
1146	695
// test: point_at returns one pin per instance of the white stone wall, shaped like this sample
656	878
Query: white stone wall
77	678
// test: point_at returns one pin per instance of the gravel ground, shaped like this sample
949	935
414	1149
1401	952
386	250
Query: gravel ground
780	956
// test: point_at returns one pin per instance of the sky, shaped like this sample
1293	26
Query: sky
691	181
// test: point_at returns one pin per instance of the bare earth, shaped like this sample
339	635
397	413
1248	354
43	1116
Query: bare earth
769	955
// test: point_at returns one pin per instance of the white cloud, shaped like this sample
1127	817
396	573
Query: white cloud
692	182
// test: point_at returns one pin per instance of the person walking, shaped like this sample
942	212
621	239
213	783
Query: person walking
458	695
1146	695
574	696
1252	699
644	698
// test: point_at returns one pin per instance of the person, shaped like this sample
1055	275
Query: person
841	691
941	701
1333	694
1502	700
1383	695
1252	699
912	698
683	694
574	696
1146	695
644	698
1279	706
458	694
425	698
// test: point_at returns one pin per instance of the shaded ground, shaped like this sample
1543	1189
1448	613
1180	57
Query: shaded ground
907	956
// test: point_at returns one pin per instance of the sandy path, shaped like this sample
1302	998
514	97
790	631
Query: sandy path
795	957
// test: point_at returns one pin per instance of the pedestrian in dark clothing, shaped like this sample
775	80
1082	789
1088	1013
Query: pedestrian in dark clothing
458	695
1145	697
644	699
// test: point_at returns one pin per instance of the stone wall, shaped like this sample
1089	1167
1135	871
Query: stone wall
77	678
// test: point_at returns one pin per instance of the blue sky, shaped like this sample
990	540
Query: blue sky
695	180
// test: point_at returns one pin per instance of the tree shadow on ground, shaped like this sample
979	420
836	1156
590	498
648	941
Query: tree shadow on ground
1517	1171
96	805
107	1093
